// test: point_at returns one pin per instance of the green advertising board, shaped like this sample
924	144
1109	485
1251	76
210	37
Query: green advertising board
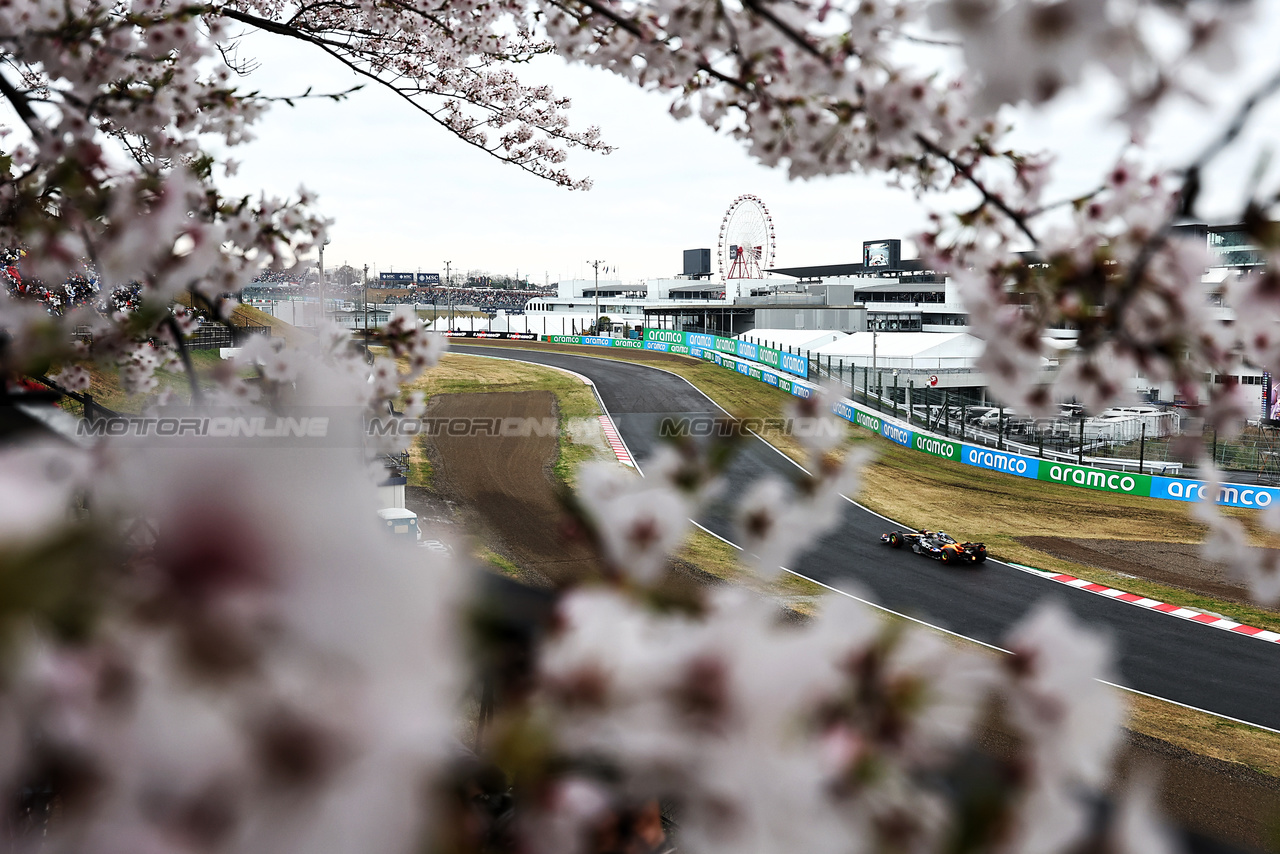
789	362
938	447
1100	479
867	420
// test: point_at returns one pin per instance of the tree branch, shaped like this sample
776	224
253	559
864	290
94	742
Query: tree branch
22	107
794	36
1191	183
337	51
172	323
988	197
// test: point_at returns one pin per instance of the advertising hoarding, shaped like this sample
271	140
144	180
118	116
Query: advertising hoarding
484	333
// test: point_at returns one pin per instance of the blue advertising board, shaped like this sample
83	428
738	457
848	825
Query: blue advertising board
986	458
1229	494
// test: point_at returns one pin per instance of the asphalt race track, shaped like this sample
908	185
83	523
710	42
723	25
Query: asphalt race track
1199	666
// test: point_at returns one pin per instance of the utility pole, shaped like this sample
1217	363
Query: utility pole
322	315
366	310
873	355
448	287
596	322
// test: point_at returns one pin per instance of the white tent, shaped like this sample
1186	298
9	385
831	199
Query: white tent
781	339
904	350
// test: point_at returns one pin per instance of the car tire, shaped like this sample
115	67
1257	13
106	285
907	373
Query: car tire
980	557
895	540
947	557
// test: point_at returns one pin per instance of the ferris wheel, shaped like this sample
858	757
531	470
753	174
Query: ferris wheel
747	243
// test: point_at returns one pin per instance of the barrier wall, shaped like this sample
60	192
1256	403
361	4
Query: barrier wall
692	344
1033	468
618	343
484	333
782	360
750	361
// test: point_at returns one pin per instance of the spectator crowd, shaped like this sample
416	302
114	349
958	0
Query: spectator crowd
79	289
272	284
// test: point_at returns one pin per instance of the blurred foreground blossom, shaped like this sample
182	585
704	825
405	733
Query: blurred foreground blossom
218	650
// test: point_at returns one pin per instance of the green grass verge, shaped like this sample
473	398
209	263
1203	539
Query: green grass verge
488	556
104	385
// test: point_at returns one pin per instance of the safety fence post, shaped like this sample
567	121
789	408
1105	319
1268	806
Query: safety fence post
1142	448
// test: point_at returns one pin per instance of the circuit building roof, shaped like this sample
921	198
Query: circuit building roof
910	345
781	339
830	271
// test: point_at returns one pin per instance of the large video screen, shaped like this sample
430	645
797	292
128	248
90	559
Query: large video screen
877	255
881	254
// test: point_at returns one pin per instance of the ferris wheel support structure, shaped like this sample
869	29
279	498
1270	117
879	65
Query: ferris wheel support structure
747	243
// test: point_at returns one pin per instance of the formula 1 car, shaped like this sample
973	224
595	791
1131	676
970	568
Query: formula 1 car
938	545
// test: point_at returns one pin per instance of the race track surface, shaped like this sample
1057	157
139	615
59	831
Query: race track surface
1175	659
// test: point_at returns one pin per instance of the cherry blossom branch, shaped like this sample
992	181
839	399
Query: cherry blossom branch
408	98
988	196
309	95
22	107
790	33
1062	203
628	26
1232	130
171	323
534	159
1191	185
932	42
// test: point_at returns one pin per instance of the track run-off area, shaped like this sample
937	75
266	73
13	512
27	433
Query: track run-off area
1225	673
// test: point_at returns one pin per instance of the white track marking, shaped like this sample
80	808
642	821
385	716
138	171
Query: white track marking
1038	572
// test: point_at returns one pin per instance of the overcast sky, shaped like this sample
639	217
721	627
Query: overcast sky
406	196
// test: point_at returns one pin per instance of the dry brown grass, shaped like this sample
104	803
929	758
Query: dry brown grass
916	489
247	315
1206	735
